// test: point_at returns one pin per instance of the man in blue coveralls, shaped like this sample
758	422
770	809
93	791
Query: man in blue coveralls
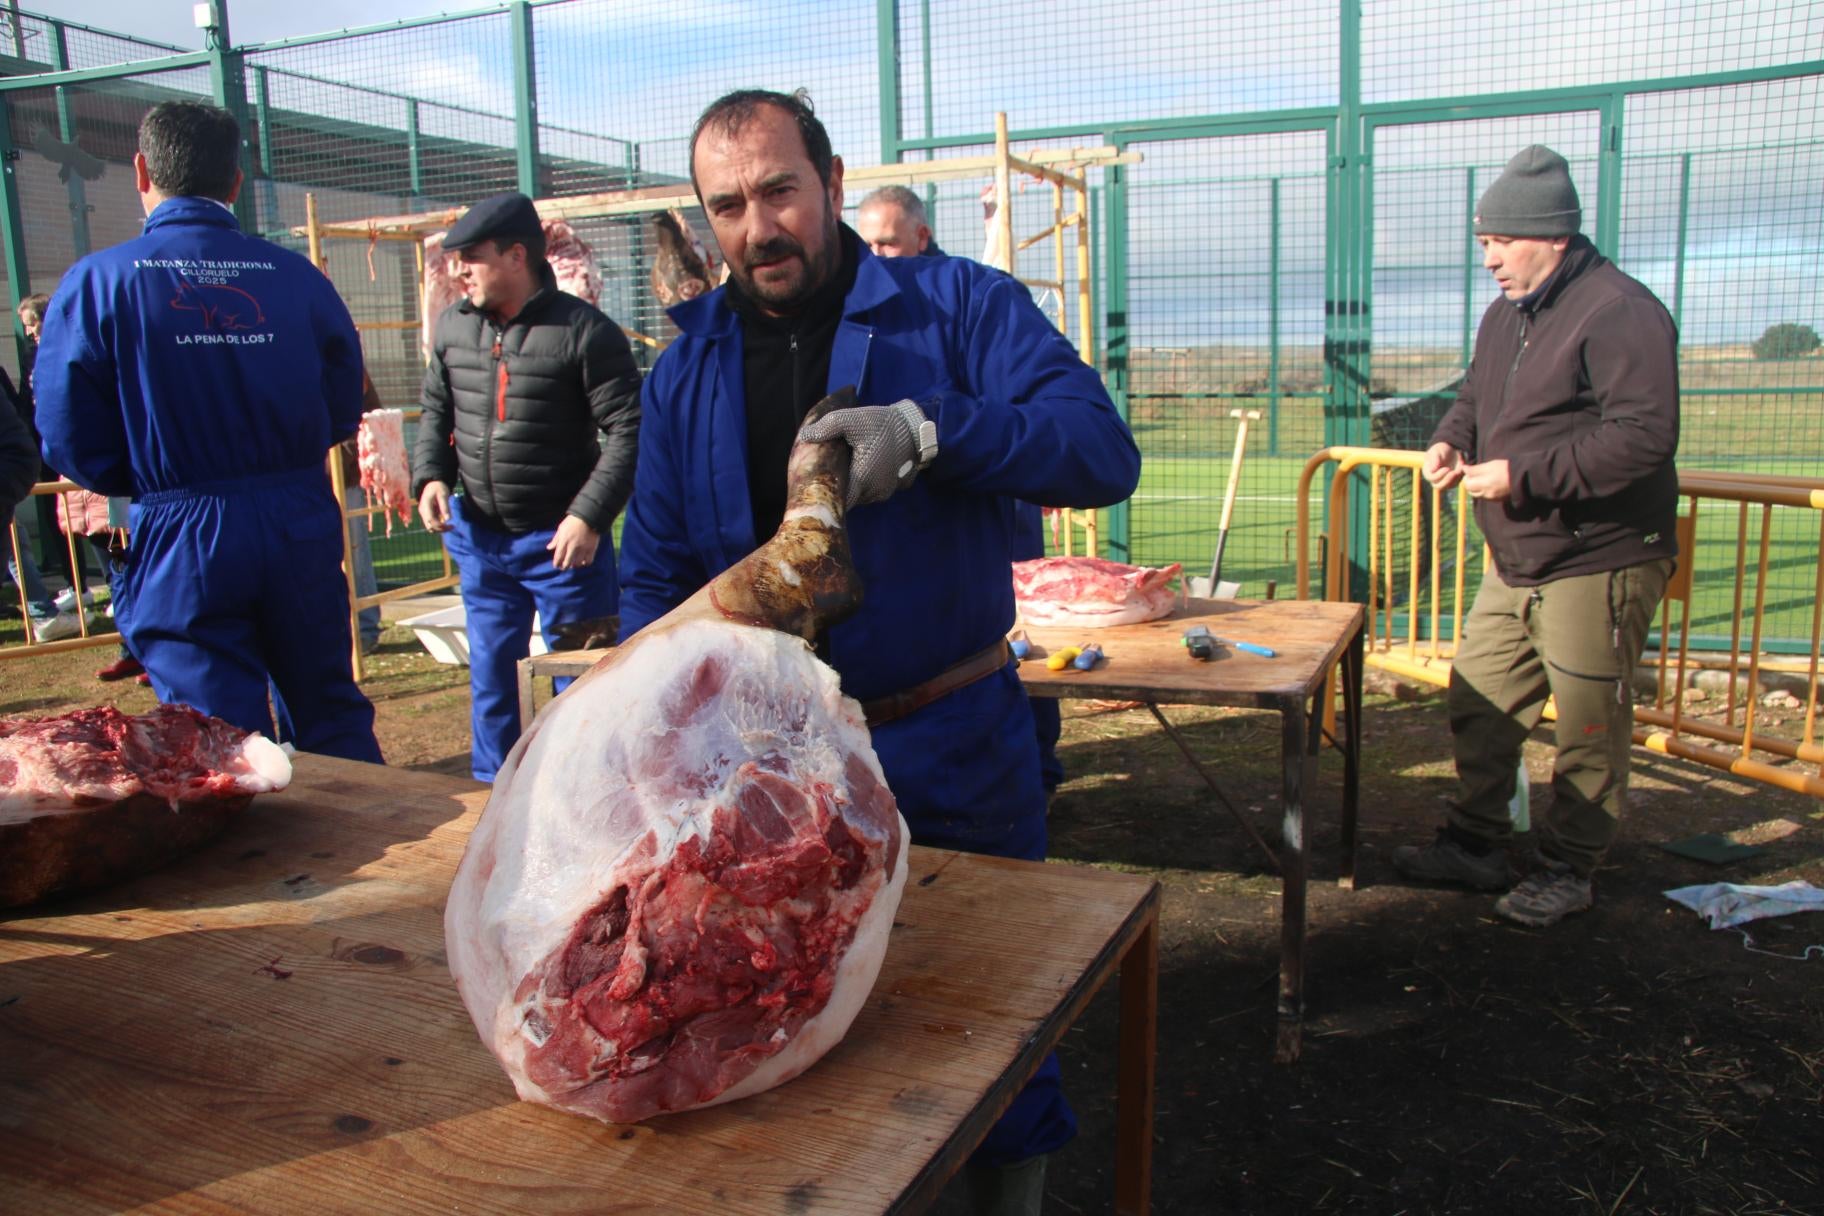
532	403
206	373
983	402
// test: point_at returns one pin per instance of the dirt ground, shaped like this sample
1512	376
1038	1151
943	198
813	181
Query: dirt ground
1628	1060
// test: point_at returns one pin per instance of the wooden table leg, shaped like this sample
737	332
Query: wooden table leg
1352	753
526	707
1300	733
1134	1079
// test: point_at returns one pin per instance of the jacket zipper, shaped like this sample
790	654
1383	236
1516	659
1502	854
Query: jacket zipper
487	445
1513	371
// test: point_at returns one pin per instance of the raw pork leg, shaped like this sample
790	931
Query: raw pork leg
386	474
681	889
96	796
1091	592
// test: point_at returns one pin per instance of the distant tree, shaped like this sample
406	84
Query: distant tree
1787	340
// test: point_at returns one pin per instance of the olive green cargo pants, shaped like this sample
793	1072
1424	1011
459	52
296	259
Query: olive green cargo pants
1578	639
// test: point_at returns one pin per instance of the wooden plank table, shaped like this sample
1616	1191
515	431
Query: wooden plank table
1312	639
270	1026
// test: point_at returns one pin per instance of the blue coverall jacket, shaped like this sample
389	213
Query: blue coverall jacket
206	373
1019	416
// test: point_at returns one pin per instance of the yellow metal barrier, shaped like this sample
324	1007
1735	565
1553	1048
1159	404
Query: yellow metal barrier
1417	567
85	636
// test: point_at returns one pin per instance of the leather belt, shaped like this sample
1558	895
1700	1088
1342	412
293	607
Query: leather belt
986	662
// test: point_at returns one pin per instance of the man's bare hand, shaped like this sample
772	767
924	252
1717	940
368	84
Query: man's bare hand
574	545
1487	480
434	506
1443	466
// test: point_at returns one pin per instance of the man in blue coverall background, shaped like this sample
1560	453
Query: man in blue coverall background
984	403
207	373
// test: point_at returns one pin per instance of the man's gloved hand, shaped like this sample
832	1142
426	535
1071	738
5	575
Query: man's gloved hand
885	443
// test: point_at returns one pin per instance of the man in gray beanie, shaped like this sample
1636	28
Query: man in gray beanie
1564	432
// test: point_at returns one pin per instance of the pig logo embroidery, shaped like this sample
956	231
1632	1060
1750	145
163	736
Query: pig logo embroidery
224	309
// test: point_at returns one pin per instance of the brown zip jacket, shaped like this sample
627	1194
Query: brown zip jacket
1578	391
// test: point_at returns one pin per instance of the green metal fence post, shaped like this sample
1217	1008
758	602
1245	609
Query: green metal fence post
924	34
12	230
1608	178
1273	402
1120	516
886	50
525	98
1469	266
262	118
66	131
414	151
228	83
1348	253
1684	220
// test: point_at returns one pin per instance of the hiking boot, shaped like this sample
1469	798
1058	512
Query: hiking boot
1547	896
119	669
1449	860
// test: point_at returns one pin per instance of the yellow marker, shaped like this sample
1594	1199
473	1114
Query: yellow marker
1060	659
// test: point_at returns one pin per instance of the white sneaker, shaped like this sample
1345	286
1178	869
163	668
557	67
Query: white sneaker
63	625
66	599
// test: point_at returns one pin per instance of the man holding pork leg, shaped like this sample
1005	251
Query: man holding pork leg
973	400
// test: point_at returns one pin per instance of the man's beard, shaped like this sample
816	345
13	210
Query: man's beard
789	297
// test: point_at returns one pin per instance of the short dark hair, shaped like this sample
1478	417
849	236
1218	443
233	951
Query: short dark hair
731	112
192	149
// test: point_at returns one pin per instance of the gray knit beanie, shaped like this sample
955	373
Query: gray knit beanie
1532	197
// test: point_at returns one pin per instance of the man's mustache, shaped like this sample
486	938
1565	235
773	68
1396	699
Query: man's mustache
772	251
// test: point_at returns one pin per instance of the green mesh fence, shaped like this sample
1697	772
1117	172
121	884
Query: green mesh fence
1296	239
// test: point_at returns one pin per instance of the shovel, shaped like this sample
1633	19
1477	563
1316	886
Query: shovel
1213	587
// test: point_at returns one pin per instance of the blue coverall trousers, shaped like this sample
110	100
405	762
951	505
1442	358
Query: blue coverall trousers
505	577
235	583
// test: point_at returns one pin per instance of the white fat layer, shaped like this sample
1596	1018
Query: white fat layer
263	766
788	574
817	511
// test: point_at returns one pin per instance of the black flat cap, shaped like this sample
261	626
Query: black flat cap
508	218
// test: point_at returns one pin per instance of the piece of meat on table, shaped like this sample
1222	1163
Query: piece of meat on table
681	889
386	473
96	796
1091	592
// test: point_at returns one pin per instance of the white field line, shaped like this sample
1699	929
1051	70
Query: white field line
1212	498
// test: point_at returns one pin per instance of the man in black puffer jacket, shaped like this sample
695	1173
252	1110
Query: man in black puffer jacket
532	402
1564	433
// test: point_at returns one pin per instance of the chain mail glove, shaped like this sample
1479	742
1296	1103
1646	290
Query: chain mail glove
890	444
